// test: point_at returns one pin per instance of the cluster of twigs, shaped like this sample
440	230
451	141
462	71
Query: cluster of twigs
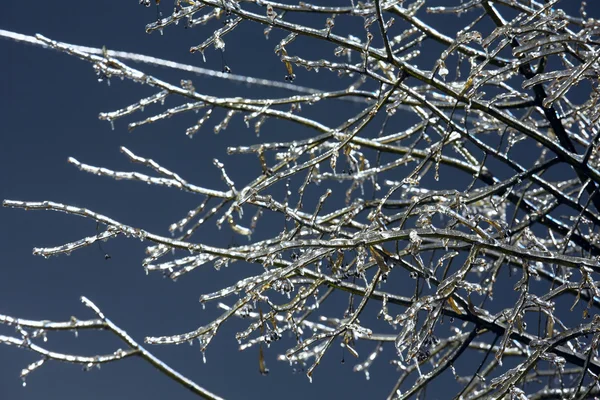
525	84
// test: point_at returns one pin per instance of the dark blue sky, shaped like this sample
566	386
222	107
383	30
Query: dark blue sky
49	105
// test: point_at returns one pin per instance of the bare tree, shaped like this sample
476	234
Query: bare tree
378	200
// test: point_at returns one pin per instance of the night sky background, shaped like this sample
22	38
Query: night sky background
49	105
